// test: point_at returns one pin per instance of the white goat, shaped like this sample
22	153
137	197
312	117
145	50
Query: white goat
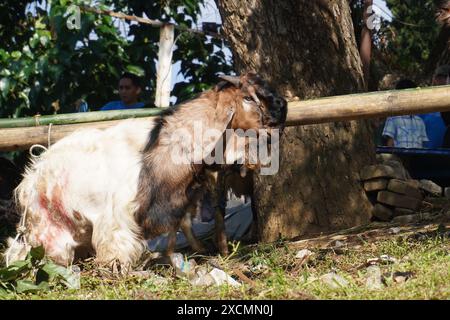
84	180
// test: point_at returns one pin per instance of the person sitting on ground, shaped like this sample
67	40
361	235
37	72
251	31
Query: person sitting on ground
129	90
406	131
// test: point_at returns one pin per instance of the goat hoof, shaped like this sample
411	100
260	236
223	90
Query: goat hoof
223	250
223	247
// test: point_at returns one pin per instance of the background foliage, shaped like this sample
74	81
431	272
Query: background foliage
412	34
45	67
402	46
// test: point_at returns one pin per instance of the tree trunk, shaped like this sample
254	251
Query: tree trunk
366	41
305	49
440	54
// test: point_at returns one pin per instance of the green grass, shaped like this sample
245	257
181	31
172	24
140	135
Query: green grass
277	274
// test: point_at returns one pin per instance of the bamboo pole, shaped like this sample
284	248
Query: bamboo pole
379	104
23	138
72	118
330	109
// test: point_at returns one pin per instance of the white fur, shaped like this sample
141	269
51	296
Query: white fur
247	106
94	176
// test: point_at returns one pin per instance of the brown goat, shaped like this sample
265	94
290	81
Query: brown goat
235	180
167	193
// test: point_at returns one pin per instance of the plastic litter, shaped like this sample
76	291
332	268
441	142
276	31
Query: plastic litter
214	277
385	259
183	267
76	273
303	255
374	280
334	281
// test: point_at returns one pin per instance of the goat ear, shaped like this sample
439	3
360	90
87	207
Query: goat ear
223	117
213	139
235	81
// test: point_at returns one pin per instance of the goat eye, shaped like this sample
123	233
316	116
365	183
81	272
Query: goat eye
248	99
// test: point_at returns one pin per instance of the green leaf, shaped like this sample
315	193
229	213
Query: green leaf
37	253
27	51
136	70
23	286
70	279
41	276
24	97
34	40
3	293
16	55
44	39
113	70
3	54
14	270
5	72
5	85
39	24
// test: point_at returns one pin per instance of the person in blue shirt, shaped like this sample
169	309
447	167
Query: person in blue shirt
129	90
407	131
435	127
434	124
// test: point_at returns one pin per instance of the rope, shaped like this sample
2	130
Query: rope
41	146
36	120
49	134
21	229
36	146
20	233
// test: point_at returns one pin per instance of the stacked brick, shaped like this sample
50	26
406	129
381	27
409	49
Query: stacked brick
393	193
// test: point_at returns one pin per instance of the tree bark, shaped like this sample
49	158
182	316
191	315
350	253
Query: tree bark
440	54
366	42
305	49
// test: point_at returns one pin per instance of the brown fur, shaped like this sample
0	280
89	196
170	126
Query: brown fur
167	190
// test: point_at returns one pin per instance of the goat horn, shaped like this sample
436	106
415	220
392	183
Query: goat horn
252	92
236	81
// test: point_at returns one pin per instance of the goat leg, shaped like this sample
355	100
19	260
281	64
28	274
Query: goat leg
219	207
171	242
221	236
186	226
